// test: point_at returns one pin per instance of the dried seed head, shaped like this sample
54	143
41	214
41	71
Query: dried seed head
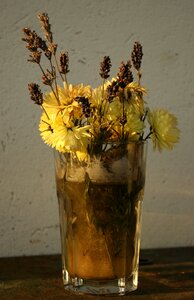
31	38
85	104
112	91
53	48
48	54
35	57
125	75
64	63
137	55
35	93
46	27
49	77
34	42
105	66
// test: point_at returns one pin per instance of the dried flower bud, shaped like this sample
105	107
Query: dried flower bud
125	75
85	104
49	76
42	44
35	57
35	93
48	54
137	55
47	80
105	66
46	27
31	38
112	91
53	48
26	31
33	43
64	63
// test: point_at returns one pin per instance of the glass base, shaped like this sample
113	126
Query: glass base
120	286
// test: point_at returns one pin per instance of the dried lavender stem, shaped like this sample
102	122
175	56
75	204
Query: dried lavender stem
62	78
106	107
103	99
45	112
65	79
52	68
50	84
138	77
103	90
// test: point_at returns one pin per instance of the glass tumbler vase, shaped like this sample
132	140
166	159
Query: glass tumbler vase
100	202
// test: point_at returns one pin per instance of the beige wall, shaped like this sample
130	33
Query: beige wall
89	30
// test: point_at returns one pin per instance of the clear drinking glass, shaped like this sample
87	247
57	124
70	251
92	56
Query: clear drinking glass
100	218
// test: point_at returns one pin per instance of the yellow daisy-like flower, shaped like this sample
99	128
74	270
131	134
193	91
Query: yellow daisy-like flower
67	94
114	110
134	126
46	127
72	112
54	103
135	93
97	94
64	99
57	135
164	129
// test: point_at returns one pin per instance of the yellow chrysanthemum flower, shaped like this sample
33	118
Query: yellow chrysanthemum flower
72	112
64	99
97	94
135	93
114	110
67	94
57	135
134	126
164	129
46	126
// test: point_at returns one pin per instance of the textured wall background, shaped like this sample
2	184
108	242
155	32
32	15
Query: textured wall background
89	30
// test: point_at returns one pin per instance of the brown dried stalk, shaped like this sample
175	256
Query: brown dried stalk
136	57
105	66
125	75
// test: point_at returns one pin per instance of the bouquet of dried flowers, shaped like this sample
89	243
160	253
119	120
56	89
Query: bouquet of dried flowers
81	120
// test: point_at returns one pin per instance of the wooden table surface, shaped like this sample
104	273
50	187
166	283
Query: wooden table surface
169	276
